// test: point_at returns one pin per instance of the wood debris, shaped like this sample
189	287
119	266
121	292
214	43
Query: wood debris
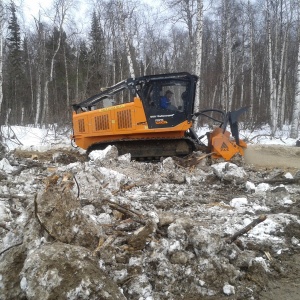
247	228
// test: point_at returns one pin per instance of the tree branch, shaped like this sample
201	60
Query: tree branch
247	228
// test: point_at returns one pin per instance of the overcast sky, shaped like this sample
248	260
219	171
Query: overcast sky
31	9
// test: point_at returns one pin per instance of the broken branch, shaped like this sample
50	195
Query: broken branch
247	228
39	220
133	215
19	244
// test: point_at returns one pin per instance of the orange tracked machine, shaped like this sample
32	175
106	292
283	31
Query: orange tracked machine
152	117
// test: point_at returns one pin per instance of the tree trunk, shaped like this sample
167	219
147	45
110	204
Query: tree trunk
38	99
283	108
129	57
273	112
199	35
123	16
296	109
77	75
1	54
67	84
251	64
280	83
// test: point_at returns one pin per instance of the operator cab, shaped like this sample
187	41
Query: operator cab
168	99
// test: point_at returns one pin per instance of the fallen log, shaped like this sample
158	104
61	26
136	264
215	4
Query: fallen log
247	228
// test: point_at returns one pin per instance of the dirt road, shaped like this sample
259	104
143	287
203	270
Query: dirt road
273	156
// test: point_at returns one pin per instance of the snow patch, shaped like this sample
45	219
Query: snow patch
23	284
108	153
229	172
262	187
238	202
228	289
6	167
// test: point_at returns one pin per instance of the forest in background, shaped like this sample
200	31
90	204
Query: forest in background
249	55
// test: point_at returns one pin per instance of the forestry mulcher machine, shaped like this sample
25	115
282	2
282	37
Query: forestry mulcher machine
136	117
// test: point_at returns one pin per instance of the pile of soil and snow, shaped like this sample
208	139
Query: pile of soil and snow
112	228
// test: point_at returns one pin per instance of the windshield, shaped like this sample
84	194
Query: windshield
168	95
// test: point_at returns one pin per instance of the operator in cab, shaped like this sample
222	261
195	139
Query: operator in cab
166	101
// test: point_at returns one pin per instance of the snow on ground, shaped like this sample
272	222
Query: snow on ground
34	139
41	139
182	217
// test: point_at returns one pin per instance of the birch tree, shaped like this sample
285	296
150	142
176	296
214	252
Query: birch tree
272	81
40	68
296	105
199	35
125	15
250	34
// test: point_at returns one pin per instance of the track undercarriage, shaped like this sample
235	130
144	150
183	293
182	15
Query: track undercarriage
151	149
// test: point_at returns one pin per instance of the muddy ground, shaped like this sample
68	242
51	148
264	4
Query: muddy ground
162	228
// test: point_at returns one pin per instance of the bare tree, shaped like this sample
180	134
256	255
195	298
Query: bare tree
272	81
61	10
199	36
40	49
296	105
185	11
125	10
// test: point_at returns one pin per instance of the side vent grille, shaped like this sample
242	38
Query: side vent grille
81	125
124	119
101	122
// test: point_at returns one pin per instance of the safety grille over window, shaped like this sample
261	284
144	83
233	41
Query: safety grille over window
81	125
101	122
124	119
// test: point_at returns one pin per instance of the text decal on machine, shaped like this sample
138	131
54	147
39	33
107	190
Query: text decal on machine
161	116
161	121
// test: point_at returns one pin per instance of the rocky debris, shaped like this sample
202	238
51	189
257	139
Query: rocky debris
60	214
112	228
3	175
2	149
11	265
62	271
